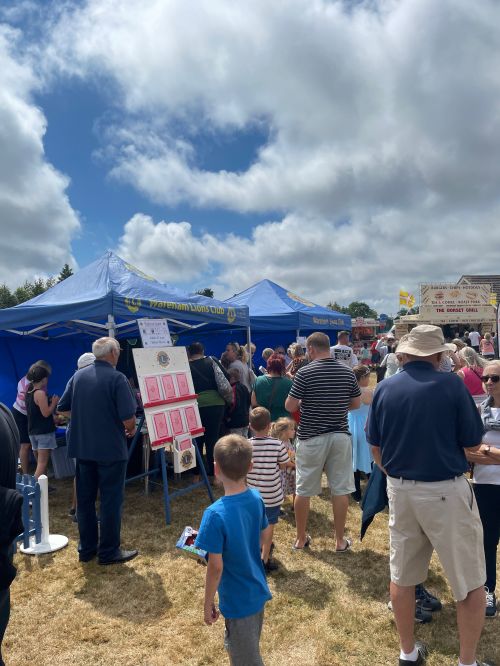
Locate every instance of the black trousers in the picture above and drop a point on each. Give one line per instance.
(211, 420)
(488, 503)
(109, 480)
(4, 617)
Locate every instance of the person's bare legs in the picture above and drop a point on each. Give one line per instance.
(42, 460)
(340, 504)
(24, 455)
(470, 620)
(301, 509)
(403, 605)
(267, 539)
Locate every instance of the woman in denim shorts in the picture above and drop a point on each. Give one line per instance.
(40, 410)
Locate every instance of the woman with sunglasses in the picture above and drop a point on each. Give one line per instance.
(487, 479)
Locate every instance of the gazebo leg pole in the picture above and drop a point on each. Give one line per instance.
(111, 326)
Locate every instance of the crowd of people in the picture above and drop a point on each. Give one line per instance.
(271, 433)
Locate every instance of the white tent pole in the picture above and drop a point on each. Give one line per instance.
(111, 326)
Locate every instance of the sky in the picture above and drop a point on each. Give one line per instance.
(342, 149)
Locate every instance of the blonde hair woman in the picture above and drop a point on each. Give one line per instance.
(486, 347)
(472, 372)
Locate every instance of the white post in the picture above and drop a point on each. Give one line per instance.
(111, 326)
(49, 542)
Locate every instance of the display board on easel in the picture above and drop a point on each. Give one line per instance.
(170, 406)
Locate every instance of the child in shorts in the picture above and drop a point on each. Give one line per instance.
(231, 532)
(269, 458)
(40, 410)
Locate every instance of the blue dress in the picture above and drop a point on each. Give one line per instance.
(361, 451)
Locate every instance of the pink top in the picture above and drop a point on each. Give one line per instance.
(472, 380)
(20, 403)
(486, 347)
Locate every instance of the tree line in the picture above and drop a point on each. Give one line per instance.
(28, 290)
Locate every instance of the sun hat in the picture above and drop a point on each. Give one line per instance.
(424, 340)
(85, 359)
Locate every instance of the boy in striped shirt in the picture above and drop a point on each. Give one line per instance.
(269, 458)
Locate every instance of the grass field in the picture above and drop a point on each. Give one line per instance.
(327, 609)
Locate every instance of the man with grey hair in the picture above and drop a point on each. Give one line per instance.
(420, 424)
(102, 409)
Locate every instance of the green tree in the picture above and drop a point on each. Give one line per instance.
(209, 293)
(360, 309)
(338, 308)
(24, 292)
(7, 298)
(66, 272)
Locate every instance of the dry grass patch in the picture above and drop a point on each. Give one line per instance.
(327, 610)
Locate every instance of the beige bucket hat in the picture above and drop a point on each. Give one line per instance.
(424, 340)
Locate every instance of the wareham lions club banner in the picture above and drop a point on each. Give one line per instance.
(216, 313)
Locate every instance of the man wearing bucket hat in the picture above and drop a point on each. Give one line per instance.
(420, 422)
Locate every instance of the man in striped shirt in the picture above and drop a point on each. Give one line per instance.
(324, 390)
(269, 457)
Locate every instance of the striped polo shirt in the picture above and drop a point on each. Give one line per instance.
(325, 388)
(265, 476)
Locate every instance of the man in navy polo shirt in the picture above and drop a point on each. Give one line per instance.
(102, 409)
(420, 422)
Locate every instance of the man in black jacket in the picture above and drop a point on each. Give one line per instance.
(10, 512)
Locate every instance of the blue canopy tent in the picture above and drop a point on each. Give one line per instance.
(105, 298)
(278, 316)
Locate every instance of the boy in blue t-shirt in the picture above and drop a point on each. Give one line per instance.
(231, 531)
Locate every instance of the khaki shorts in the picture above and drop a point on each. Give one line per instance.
(441, 516)
(331, 453)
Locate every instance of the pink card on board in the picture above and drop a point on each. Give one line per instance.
(191, 418)
(176, 421)
(152, 389)
(168, 386)
(182, 383)
(184, 444)
(161, 425)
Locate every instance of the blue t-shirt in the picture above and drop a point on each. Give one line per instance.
(99, 399)
(422, 420)
(232, 527)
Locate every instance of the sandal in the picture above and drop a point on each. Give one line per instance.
(348, 544)
(306, 544)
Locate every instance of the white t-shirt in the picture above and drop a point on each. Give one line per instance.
(344, 354)
(474, 338)
(489, 473)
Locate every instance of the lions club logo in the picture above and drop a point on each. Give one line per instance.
(186, 459)
(133, 304)
(163, 359)
(231, 315)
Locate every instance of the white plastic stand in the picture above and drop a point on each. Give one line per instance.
(49, 542)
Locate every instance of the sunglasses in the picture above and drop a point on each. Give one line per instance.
(494, 378)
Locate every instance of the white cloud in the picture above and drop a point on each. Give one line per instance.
(37, 222)
(384, 114)
(369, 259)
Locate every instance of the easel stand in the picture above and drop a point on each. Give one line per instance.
(167, 495)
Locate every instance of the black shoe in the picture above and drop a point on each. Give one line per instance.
(270, 565)
(422, 654)
(123, 556)
(72, 515)
(421, 616)
(426, 600)
(356, 496)
(491, 604)
(86, 558)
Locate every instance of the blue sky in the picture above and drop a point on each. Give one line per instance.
(328, 146)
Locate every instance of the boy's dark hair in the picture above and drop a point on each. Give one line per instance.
(233, 454)
(260, 418)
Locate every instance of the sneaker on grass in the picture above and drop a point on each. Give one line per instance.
(422, 654)
(426, 600)
(491, 603)
(421, 616)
